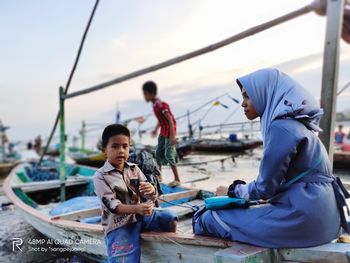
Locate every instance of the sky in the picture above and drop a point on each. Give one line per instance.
(39, 41)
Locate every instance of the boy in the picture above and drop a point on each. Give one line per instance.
(166, 148)
(339, 135)
(120, 185)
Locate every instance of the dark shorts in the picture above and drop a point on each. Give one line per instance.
(166, 152)
(123, 244)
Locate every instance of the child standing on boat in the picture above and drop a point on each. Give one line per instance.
(166, 148)
(120, 186)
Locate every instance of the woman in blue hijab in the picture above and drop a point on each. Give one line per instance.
(307, 212)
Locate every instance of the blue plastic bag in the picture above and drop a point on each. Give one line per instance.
(222, 202)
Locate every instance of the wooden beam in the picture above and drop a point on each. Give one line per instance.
(186, 208)
(330, 72)
(78, 215)
(40, 186)
(187, 239)
(178, 195)
(331, 252)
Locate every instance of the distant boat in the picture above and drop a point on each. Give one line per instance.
(6, 167)
(8, 159)
(216, 146)
(94, 159)
(341, 156)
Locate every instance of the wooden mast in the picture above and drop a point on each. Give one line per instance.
(62, 145)
(330, 73)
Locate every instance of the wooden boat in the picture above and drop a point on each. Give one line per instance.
(216, 146)
(94, 159)
(6, 167)
(71, 230)
(88, 238)
(341, 156)
(341, 160)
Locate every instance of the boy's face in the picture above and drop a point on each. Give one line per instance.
(117, 150)
(148, 96)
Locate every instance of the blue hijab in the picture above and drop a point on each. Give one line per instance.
(277, 96)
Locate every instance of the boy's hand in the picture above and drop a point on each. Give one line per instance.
(154, 133)
(144, 209)
(172, 140)
(146, 188)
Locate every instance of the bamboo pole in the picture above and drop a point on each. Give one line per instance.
(330, 73)
(70, 77)
(82, 136)
(201, 51)
(62, 145)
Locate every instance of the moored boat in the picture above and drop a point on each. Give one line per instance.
(216, 146)
(71, 228)
(6, 167)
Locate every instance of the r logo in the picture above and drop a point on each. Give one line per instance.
(17, 242)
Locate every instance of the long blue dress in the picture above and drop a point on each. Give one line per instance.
(304, 215)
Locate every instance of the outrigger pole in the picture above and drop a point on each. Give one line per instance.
(330, 73)
(244, 34)
(62, 146)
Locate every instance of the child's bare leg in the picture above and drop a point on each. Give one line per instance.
(175, 172)
(173, 226)
(160, 177)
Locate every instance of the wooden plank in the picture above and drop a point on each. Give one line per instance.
(186, 208)
(177, 196)
(38, 186)
(78, 215)
(330, 73)
(187, 239)
(241, 253)
(165, 252)
(331, 252)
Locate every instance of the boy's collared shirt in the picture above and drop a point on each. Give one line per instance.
(113, 188)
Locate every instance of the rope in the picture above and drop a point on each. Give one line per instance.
(70, 77)
(344, 88)
(202, 106)
(244, 34)
(193, 207)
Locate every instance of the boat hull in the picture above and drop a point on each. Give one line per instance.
(341, 160)
(212, 146)
(89, 238)
(5, 168)
(96, 160)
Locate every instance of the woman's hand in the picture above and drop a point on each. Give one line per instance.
(263, 201)
(144, 209)
(221, 190)
(154, 133)
(146, 188)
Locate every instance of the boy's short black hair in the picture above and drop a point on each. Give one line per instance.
(150, 87)
(114, 129)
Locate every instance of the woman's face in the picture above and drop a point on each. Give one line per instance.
(248, 106)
